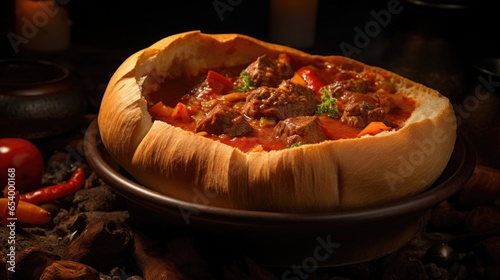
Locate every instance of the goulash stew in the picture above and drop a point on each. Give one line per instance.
(272, 104)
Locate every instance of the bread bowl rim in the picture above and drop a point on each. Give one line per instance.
(129, 69)
(457, 172)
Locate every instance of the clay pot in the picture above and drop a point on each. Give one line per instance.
(38, 99)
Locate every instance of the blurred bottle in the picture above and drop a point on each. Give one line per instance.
(293, 22)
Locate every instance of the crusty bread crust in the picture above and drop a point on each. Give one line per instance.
(332, 175)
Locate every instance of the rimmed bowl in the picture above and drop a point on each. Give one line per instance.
(283, 239)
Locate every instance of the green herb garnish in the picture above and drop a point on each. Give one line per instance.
(327, 104)
(295, 145)
(246, 84)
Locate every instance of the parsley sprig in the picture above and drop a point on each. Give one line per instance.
(295, 145)
(328, 104)
(246, 84)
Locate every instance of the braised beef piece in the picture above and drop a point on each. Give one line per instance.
(360, 105)
(224, 120)
(361, 109)
(305, 130)
(288, 100)
(267, 72)
(342, 90)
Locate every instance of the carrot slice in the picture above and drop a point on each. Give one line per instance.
(297, 79)
(181, 112)
(159, 109)
(374, 128)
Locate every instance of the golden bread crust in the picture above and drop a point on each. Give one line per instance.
(328, 176)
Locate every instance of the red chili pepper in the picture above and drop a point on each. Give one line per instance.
(54, 192)
(312, 79)
(218, 83)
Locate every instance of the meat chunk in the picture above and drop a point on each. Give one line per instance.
(267, 72)
(360, 105)
(305, 130)
(361, 109)
(224, 120)
(343, 89)
(288, 100)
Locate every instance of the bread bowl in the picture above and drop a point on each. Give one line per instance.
(329, 175)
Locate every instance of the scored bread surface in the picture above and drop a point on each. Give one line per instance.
(328, 176)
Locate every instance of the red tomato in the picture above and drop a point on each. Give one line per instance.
(21, 162)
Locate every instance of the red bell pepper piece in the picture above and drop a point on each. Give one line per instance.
(219, 83)
(313, 80)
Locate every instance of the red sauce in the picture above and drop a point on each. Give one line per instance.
(179, 90)
(334, 129)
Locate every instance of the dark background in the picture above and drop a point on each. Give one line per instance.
(132, 24)
(440, 41)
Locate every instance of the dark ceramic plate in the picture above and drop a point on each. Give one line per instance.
(284, 239)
